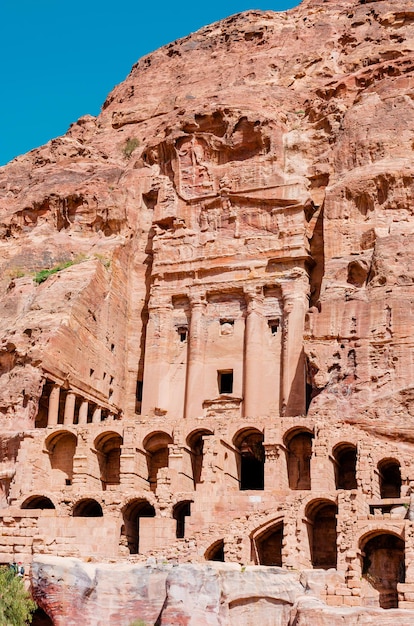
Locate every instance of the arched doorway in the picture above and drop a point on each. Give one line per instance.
(268, 546)
(321, 519)
(156, 446)
(195, 442)
(389, 478)
(383, 567)
(249, 444)
(130, 531)
(215, 552)
(61, 447)
(180, 511)
(345, 456)
(38, 502)
(108, 446)
(299, 453)
(87, 508)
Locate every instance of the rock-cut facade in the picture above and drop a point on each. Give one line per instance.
(207, 309)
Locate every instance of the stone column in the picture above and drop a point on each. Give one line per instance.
(69, 414)
(53, 411)
(275, 470)
(195, 357)
(253, 354)
(96, 417)
(155, 390)
(83, 412)
(295, 304)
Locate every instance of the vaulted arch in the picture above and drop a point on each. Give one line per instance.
(108, 446)
(132, 512)
(195, 442)
(298, 444)
(345, 456)
(383, 565)
(37, 502)
(156, 446)
(61, 447)
(389, 471)
(88, 507)
(249, 443)
(321, 521)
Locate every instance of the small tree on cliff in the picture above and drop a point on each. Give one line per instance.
(16, 605)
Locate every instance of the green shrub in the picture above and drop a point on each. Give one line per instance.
(131, 144)
(16, 605)
(43, 275)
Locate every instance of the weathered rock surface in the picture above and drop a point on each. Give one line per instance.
(193, 595)
(216, 361)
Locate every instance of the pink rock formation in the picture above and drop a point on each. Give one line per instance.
(217, 361)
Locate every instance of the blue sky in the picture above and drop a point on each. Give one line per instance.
(60, 58)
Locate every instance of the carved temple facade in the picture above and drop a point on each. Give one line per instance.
(221, 458)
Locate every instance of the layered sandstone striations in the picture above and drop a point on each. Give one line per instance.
(218, 364)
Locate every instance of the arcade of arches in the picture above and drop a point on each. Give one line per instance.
(237, 467)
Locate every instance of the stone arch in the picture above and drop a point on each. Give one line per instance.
(156, 446)
(383, 565)
(345, 457)
(251, 458)
(298, 442)
(215, 552)
(37, 502)
(389, 472)
(87, 507)
(132, 512)
(61, 447)
(267, 544)
(321, 524)
(181, 510)
(195, 442)
(108, 446)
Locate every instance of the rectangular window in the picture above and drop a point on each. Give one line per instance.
(226, 327)
(182, 333)
(225, 381)
(274, 326)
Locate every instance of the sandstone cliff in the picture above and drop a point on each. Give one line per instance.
(207, 306)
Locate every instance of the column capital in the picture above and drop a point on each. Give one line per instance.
(253, 296)
(197, 297)
(272, 451)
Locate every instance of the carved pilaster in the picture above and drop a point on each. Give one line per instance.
(195, 358)
(253, 356)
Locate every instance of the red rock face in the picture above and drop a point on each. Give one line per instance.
(206, 311)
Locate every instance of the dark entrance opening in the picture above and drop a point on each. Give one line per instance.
(390, 478)
(384, 567)
(38, 502)
(196, 444)
(216, 552)
(157, 450)
(252, 459)
(225, 381)
(322, 534)
(180, 512)
(299, 453)
(87, 508)
(269, 546)
(130, 529)
(345, 469)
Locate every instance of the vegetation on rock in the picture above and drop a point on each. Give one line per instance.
(16, 605)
